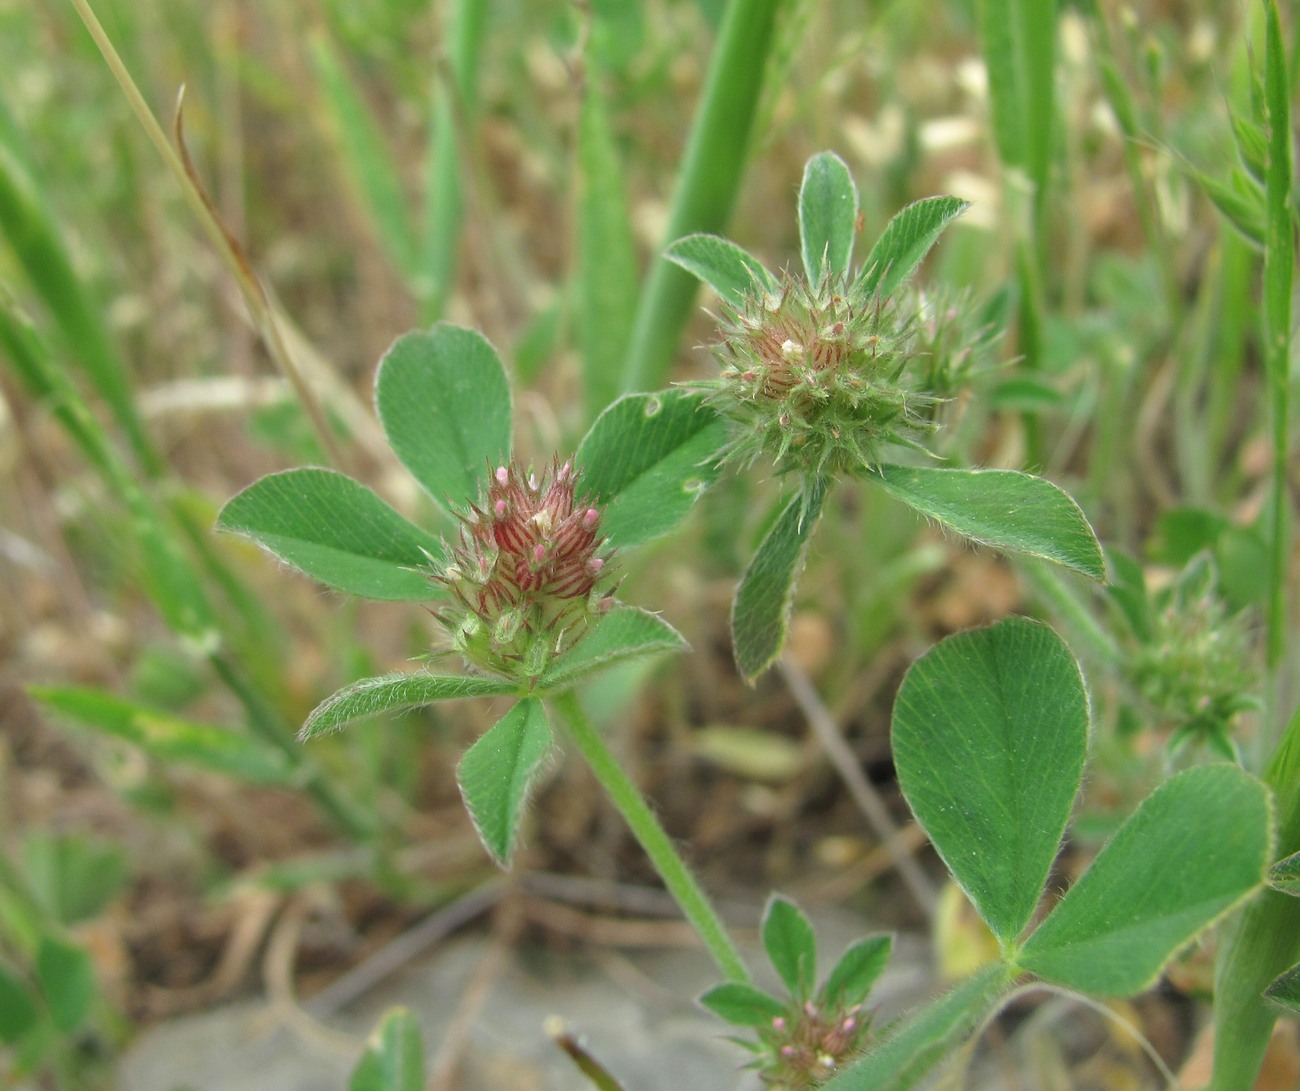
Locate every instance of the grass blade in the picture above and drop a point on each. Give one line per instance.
(607, 271)
(31, 228)
(707, 183)
(366, 158)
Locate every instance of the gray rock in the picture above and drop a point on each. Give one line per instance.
(635, 1012)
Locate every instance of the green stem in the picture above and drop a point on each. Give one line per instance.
(1261, 943)
(650, 833)
(1279, 270)
(711, 170)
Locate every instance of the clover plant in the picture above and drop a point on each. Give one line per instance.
(823, 379)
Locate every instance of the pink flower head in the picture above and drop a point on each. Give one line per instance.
(524, 574)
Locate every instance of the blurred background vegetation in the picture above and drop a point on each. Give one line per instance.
(511, 166)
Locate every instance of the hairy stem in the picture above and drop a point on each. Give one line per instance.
(650, 833)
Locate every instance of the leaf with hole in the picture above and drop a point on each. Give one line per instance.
(646, 460)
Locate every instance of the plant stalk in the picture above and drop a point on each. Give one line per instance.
(1279, 272)
(650, 833)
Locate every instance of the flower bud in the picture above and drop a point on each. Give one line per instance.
(528, 576)
(814, 378)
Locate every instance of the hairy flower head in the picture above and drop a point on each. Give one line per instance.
(529, 574)
(806, 1047)
(814, 377)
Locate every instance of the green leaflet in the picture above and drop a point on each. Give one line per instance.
(1005, 509)
(760, 614)
(444, 402)
(389, 692)
(646, 460)
(990, 733)
(394, 1056)
(496, 773)
(828, 214)
(1196, 847)
(337, 531)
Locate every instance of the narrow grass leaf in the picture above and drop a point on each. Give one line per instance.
(918, 1044)
(1252, 145)
(855, 972)
(707, 182)
(791, 946)
(625, 633)
(732, 272)
(67, 979)
(444, 402)
(455, 106)
(903, 244)
(32, 231)
(1195, 848)
(30, 356)
(607, 265)
(743, 1005)
(337, 531)
(828, 215)
(444, 205)
(392, 692)
(1019, 40)
(168, 738)
(394, 1056)
(1243, 206)
(760, 614)
(990, 732)
(647, 459)
(496, 773)
(1005, 509)
(1279, 276)
(366, 157)
(1285, 990)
